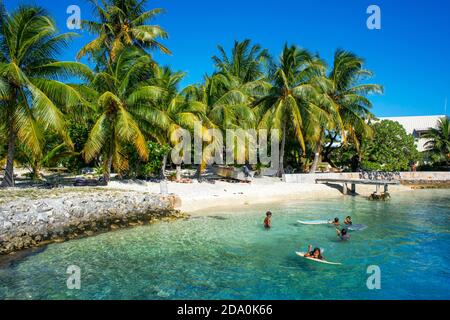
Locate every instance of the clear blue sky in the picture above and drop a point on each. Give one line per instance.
(410, 55)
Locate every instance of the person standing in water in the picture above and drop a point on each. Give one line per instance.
(343, 234)
(267, 220)
(348, 221)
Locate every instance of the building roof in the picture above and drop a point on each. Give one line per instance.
(416, 123)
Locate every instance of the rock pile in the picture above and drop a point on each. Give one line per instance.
(26, 223)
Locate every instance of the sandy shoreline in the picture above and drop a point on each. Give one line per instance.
(196, 197)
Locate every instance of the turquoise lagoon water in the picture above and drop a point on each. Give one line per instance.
(229, 255)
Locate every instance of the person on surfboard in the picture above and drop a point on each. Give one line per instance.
(316, 254)
(267, 220)
(348, 221)
(343, 234)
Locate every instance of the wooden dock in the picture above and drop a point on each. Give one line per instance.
(354, 182)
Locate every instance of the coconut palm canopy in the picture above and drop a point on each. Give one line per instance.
(119, 94)
(32, 86)
(130, 100)
(439, 144)
(122, 23)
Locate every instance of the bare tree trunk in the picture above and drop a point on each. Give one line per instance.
(317, 150)
(178, 176)
(283, 143)
(163, 166)
(8, 179)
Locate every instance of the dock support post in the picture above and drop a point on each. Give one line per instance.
(385, 188)
(377, 189)
(353, 188)
(344, 188)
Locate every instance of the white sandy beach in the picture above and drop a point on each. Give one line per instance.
(196, 197)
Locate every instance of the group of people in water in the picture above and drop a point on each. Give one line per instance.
(342, 233)
(316, 253)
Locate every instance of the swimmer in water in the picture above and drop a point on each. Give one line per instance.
(267, 220)
(335, 222)
(343, 234)
(348, 221)
(316, 254)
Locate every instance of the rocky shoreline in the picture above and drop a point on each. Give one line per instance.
(427, 184)
(27, 221)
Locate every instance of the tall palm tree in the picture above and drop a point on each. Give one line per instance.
(169, 112)
(292, 98)
(121, 96)
(246, 62)
(344, 91)
(439, 143)
(122, 23)
(31, 91)
(225, 103)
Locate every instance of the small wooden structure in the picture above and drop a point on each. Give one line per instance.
(354, 182)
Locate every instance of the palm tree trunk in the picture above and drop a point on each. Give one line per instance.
(107, 170)
(317, 150)
(198, 173)
(35, 171)
(178, 176)
(200, 168)
(328, 148)
(163, 166)
(8, 179)
(110, 152)
(283, 143)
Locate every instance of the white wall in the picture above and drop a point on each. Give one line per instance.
(311, 177)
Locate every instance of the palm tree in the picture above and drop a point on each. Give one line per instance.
(31, 91)
(122, 23)
(292, 98)
(51, 157)
(122, 97)
(246, 62)
(224, 102)
(343, 89)
(169, 112)
(439, 143)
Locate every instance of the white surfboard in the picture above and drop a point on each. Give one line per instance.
(302, 254)
(313, 222)
(357, 227)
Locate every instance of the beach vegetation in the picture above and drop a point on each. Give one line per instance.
(32, 87)
(121, 114)
(391, 148)
(438, 146)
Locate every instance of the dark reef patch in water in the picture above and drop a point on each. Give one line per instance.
(13, 259)
(218, 217)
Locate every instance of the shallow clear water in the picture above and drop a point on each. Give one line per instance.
(231, 256)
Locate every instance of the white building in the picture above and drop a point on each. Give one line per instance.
(417, 126)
